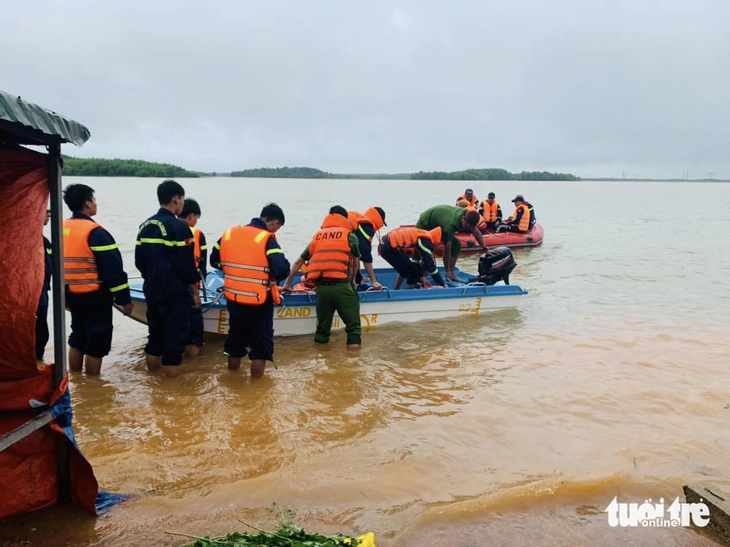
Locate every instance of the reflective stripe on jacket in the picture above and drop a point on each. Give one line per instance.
(81, 274)
(330, 251)
(245, 263)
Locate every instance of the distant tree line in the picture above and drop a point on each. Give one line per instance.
(284, 173)
(468, 174)
(491, 174)
(97, 167)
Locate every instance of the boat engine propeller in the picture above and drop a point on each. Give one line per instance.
(496, 267)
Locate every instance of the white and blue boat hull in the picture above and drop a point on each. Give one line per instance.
(297, 314)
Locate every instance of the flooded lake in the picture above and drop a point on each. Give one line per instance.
(517, 427)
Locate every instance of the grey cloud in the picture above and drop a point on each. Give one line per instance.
(589, 87)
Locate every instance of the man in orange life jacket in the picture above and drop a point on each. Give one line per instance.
(41, 317)
(520, 219)
(164, 257)
(365, 225)
(469, 197)
(491, 212)
(191, 214)
(333, 256)
(410, 252)
(253, 264)
(94, 277)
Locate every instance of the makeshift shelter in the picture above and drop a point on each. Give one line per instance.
(40, 462)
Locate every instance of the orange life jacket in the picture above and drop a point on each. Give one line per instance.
(246, 266)
(405, 240)
(197, 251)
(490, 210)
(81, 274)
(330, 251)
(524, 225)
(472, 202)
(370, 216)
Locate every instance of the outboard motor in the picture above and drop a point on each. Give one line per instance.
(496, 267)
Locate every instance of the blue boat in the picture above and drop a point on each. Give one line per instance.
(297, 314)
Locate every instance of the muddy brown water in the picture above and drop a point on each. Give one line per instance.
(517, 427)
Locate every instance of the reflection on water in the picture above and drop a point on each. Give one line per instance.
(518, 426)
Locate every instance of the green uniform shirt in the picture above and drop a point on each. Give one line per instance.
(446, 216)
(351, 239)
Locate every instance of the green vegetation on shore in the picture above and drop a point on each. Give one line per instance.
(491, 174)
(284, 173)
(98, 167)
(468, 174)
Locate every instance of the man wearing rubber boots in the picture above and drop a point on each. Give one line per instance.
(253, 264)
(333, 256)
(452, 220)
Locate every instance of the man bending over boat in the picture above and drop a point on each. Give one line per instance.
(334, 260)
(253, 263)
(410, 252)
(451, 220)
(365, 226)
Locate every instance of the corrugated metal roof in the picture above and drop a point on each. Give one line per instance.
(28, 123)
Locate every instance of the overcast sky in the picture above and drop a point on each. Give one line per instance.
(594, 87)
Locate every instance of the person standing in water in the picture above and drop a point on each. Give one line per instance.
(253, 263)
(164, 257)
(191, 214)
(334, 260)
(95, 278)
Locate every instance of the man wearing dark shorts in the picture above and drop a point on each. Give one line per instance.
(253, 263)
(94, 277)
(164, 257)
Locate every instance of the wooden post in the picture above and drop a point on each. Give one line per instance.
(59, 305)
(719, 504)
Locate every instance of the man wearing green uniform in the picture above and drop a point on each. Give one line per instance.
(333, 261)
(452, 220)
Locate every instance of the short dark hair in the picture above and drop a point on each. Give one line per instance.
(76, 196)
(338, 210)
(272, 212)
(168, 190)
(471, 218)
(191, 207)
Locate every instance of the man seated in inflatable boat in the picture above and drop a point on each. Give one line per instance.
(523, 218)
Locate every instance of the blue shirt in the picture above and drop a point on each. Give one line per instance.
(164, 256)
